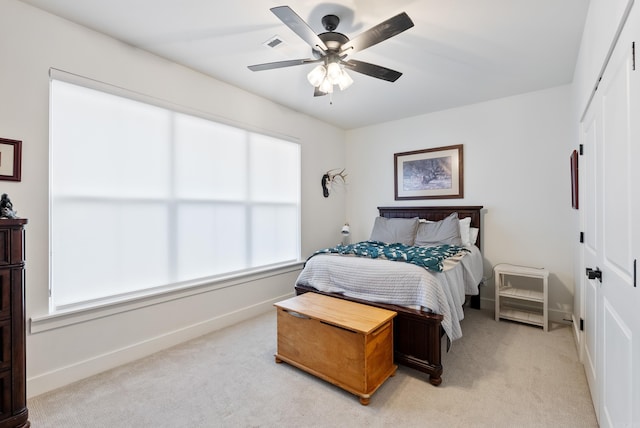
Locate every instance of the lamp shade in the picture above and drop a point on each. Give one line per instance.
(345, 229)
(334, 72)
(345, 81)
(317, 75)
(326, 86)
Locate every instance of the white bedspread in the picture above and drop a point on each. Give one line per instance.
(400, 283)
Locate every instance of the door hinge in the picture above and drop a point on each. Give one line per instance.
(582, 237)
(581, 149)
(581, 324)
(635, 272)
(633, 56)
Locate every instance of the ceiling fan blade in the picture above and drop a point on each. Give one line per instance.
(374, 35)
(299, 26)
(372, 70)
(318, 93)
(281, 64)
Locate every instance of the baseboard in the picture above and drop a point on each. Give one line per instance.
(66, 375)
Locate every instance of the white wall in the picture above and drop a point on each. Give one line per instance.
(516, 164)
(31, 42)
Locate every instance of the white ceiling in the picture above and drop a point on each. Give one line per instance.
(459, 51)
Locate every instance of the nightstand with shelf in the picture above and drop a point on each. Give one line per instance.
(526, 305)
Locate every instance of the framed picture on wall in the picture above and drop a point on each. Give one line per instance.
(429, 174)
(10, 159)
(574, 179)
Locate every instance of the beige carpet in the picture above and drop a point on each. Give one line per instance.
(498, 375)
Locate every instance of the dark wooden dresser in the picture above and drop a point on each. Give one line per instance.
(13, 376)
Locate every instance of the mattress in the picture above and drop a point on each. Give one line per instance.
(399, 283)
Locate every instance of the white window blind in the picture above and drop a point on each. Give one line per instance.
(144, 197)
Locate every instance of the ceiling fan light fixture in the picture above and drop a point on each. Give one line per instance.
(317, 75)
(345, 80)
(326, 86)
(332, 48)
(334, 72)
(325, 77)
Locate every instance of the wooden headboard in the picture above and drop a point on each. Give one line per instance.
(436, 213)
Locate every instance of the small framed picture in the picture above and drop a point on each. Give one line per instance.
(574, 179)
(429, 174)
(10, 159)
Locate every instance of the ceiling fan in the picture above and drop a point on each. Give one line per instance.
(333, 50)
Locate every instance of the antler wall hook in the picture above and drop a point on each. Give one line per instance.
(330, 177)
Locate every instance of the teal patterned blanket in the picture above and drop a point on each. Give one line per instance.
(430, 258)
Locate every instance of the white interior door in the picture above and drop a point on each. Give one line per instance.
(632, 297)
(612, 324)
(590, 207)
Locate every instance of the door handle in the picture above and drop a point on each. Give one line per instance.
(594, 273)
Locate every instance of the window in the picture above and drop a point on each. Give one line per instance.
(144, 197)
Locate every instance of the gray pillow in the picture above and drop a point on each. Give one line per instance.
(394, 230)
(445, 231)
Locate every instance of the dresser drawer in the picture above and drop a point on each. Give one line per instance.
(11, 248)
(5, 344)
(5, 293)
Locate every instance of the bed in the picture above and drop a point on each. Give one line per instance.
(418, 333)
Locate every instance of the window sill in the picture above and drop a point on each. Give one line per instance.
(63, 318)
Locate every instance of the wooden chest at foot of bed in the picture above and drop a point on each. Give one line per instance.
(416, 335)
(345, 343)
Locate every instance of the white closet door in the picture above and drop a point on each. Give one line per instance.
(591, 208)
(611, 138)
